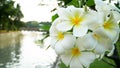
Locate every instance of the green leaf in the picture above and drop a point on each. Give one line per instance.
(62, 65)
(102, 64)
(54, 17)
(90, 3)
(75, 3)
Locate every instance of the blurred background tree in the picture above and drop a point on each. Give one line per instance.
(10, 15)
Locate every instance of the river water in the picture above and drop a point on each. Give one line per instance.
(20, 50)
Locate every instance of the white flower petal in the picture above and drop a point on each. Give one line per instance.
(75, 63)
(77, 12)
(111, 52)
(104, 43)
(99, 3)
(117, 37)
(59, 48)
(116, 16)
(101, 56)
(96, 22)
(68, 41)
(86, 58)
(80, 30)
(89, 42)
(99, 49)
(80, 43)
(64, 13)
(101, 33)
(64, 26)
(71, 7)
(102, 6)
(53, 31)
(53, 41)
(108, 44)
(56, 21)
(66, 58)
(113, 35)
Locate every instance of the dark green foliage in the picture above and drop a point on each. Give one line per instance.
(117, 5)
(75, 3)
(10, 15)
(90, 3)
(45, 26)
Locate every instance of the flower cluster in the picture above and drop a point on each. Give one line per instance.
(80, 35)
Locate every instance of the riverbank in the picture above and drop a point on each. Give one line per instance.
(5, 31)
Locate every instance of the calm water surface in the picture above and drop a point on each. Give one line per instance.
(19, 50)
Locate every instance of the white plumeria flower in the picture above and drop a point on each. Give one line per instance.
(107, 24)
(105, 7)
(77, 57)
(75, 18)
(59, 39)
(111, 28)
(99, 42)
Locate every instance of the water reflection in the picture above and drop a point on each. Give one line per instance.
(9, 49)
(19, 50)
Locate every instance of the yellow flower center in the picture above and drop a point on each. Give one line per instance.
(96, 36)
(76, 20)
(75, 52)
(60, 36)
(107, 25)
